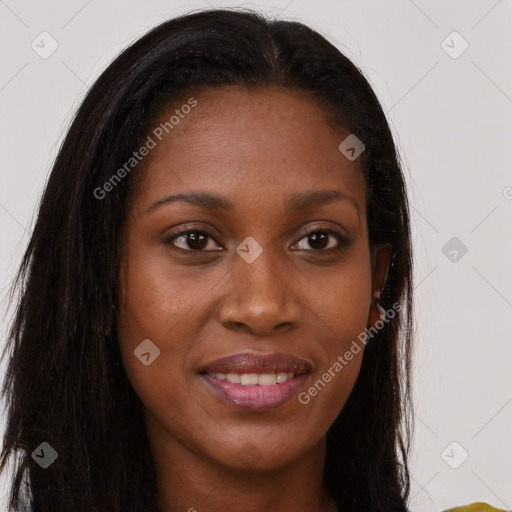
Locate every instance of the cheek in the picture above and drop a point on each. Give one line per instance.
(157, 295)
(341, 304)
(342, 301)
(156, 306)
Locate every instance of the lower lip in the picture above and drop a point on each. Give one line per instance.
(255, 398)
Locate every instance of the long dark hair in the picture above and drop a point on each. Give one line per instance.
(65, 384)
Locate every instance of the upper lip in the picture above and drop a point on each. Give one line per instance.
(258, 363)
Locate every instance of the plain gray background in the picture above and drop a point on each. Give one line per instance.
(450, 112)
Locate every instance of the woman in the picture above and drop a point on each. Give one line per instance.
(213, 292)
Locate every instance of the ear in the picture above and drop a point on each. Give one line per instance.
(380, 258)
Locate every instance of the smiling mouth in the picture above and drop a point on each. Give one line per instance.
(256, 382)
(254, 379)
(255, 391)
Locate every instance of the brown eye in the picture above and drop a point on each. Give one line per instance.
(192, 241)
(324, 240)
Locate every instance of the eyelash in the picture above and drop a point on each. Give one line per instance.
(343, 242)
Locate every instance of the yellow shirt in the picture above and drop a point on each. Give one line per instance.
(476, 507)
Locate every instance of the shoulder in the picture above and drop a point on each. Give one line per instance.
(476, 507)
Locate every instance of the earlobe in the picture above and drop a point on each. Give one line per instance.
(377, 312)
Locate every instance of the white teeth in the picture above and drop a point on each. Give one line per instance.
(281, 377)
(253, 379)
(233, 378)
(267, 379)
(249, 379)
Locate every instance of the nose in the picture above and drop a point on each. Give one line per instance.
(261, 300)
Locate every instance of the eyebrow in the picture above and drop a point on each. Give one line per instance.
(299, 201)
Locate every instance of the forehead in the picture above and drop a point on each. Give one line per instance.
(264, 142)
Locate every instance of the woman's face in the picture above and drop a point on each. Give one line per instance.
(251, 282)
